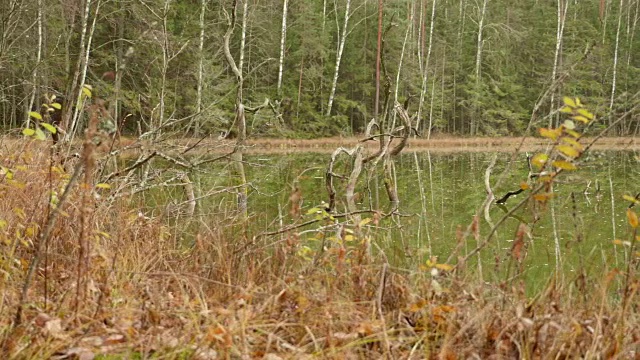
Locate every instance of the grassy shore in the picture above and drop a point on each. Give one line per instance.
(111, 283)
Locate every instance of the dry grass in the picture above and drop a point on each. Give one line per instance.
(231, 297)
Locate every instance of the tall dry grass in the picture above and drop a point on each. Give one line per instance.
(230, 296)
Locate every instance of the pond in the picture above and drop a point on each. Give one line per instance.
(440, 194)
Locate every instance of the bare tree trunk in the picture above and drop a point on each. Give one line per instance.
(404, 44)
(299, 88)
(324, 23)
(120, 66)
(70, 116)
(379, 45)
(283, 36)
(563, 6)
(425, 72)
(198, 118)
(341, 40)
(604, 12)
(474, 119)
(615, 63)
(239, 121)
(34, 78)
(164, 70)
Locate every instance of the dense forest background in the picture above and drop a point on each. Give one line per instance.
(323, 67)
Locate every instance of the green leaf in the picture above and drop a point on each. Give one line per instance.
(28, 132)
(40, 134)
(52, 129)
(56, 106)
(36, 115)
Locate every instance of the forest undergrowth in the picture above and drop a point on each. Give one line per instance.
(130, 292)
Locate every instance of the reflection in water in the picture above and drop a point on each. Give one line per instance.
(440, 194)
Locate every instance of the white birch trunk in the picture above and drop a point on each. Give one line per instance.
(425, 72)
(615, 60)
(474, 120)
(562, 16)
(283, 36)
(85, 63)
(632, 32)
(404, 45)
(203, 9)
(34, 79)
(342, 40)
(243, 41)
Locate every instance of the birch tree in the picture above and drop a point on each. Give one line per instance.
(82, 66)
(378, 49)
(203, 9)
(563, 6)
(34, 79)
(615, 60)
(474, 119)
(342, 38)
(283, 36)
(425, 69)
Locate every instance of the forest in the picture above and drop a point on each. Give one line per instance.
(319, 179)
(323, 67)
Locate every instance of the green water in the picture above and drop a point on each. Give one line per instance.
(440, 192)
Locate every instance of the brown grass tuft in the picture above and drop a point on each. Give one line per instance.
(230, 297)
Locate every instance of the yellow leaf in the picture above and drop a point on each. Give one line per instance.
(86, 92)
(586, 113)
(580, 118)
(569, 102)
(578, 102)
(545, 178)
(617, 242)
(56, 106)
(568, 151)
(445, 267)
(573, 142)
(566, 110)
(524, 186)
(348, 238)
(633, 218)
(631, 199)
(550, 133)
(562, 164)
(573, 133)
(568, 124)
(364, 222)
(52, 129)
(103, 186)
(35, 115)
(539, 160)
